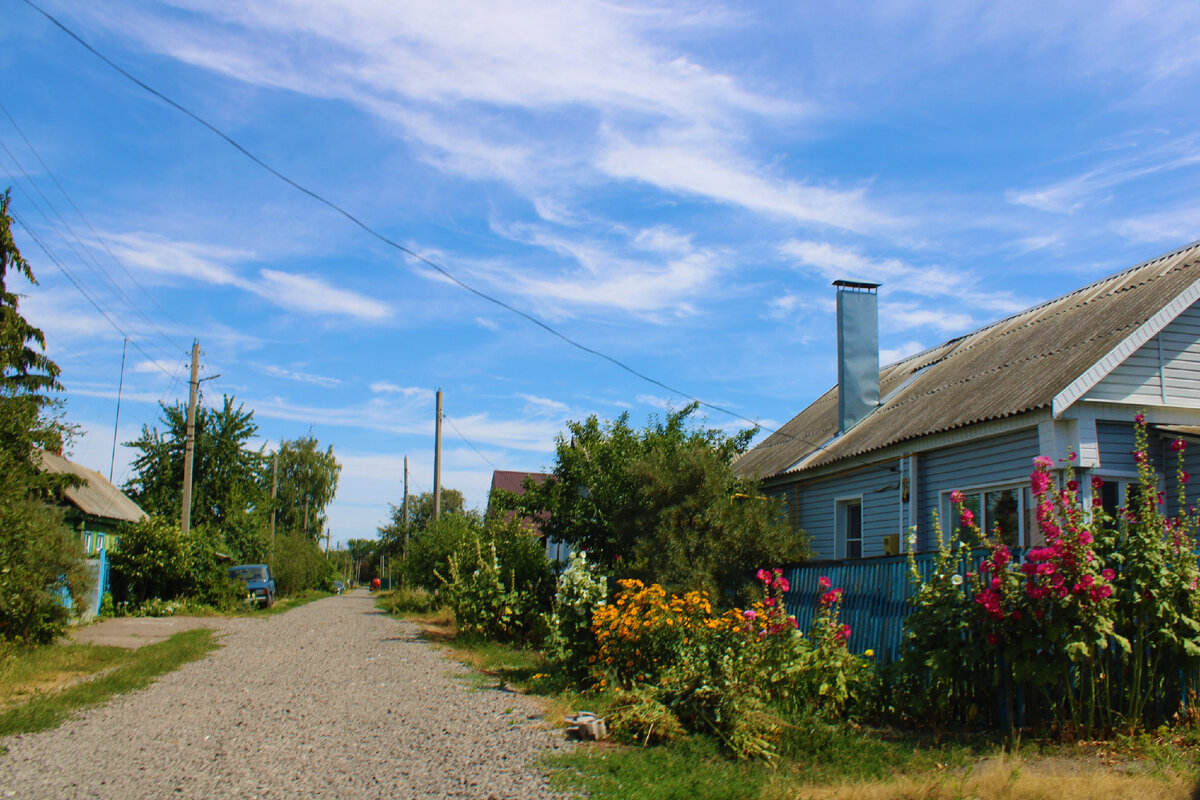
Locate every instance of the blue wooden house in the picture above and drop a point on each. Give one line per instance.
(94, 509)
(880, 453)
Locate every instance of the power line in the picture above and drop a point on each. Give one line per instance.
(57, 262)
(95, 233)
(401, 248)
(468, 442)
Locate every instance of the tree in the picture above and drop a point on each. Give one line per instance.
(662, 504)
(39, 557)
(420, 513)
(307, 482)
(227, 497)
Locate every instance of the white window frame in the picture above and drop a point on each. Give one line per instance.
(949, 518)
(840, 543)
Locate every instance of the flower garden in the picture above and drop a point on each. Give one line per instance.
(1091, 634)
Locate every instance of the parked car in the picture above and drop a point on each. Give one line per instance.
(259, 583)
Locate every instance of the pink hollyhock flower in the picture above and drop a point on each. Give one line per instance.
(1140, 419)
(1039, 613)
(1108, 574)
(996, 582)
(843, 635)
(1161, 497)
(1043, 462)
(763, 575)
(1178, 446)
(1097, 502)
(967, 518)
(795, 624)
(991, 639)
(957, 497)
(1085, 537)
(1087, 581)
(784, 585)
(1183, 476)
(769, 602)
(750, 613)
(1140, 456)
(1039, 481)
(1097, 482)
(1071, 456)
(1072, 486)
(824, 582)
(778, 572)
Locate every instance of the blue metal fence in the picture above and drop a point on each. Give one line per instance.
(875, 596)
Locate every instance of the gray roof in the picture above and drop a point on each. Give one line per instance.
(97, 497)
(1009, 367)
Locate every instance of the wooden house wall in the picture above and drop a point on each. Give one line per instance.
(1164, 371)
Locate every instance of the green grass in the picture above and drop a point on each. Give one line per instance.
(118, 671)
(691, 769)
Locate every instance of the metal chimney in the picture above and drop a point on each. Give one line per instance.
(858, 351)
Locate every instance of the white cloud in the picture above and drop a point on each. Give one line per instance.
(157, 367)
(302, 377)
(906, 316)
(893, 354)
(545, 403)
(655, 401)
(693, 168)
(307, 293)
(409, 392)
(1175, 226)
(835, 263)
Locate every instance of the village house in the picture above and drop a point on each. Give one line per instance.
(878, 455)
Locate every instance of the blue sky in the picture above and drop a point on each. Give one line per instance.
(674, 184)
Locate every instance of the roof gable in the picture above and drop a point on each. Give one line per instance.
(97, 497)
(1012, 366)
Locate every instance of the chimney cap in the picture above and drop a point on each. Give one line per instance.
(857, 285)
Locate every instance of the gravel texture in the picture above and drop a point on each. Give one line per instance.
(332, 699)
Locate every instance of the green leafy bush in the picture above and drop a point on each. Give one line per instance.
(579, 590)
(298, 563)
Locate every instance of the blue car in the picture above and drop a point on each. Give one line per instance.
(260, 585)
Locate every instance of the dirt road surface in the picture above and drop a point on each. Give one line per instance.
(333, 699)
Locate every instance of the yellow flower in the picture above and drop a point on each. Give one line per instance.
(869, 653)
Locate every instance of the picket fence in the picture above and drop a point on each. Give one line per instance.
(875, 596)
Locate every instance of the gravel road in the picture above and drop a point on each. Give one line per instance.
(332, 699)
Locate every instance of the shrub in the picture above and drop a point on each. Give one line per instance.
(483, 606)
(730, 674)
(1098, 628)
(580, 590)
(154, 561)
(298, 563)
(410, 601)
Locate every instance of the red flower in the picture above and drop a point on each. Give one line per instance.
(991, 639)
(957, 497)
(1140, 419)
(968, 518)
(1179, 445)
(824, 582)
(1039, 481)
(1097, 483)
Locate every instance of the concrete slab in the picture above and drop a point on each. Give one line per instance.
(135, 632)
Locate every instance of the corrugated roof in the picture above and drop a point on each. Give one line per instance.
(511, 481)
(1009, 367)
(97, 497)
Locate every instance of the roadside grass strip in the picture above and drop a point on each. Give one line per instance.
(284, 604)
(42, 687)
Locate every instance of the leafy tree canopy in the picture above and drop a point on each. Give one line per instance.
(420, 512)
(227, 496)
(662, 504)
(307, 482)
(38, 553)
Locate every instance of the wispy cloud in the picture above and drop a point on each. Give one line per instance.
(544, 404)
(211, 264)
(301, 377)
(409, 392)
(1174, 226)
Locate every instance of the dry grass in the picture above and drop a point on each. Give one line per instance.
(1000, 779)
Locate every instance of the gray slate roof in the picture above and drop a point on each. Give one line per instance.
(1009, 367)
(97, 497)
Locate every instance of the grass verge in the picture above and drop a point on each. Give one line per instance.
(44, 686)
(285, 604)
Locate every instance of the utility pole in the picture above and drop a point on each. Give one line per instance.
(406, 506)
(306, 519)
(437, 460)
(189, 442)
(274, 490)
(117, 421)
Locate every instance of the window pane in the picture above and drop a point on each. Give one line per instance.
(1108, 497)
(854, 530)
(1003, 512)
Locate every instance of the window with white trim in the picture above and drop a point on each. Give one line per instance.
(1002, 510)
(849, 524)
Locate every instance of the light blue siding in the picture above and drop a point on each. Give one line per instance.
(999, 460)
(879, 488)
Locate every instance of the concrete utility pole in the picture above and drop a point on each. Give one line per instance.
(274, 491)
(437, 460)
(189, 442)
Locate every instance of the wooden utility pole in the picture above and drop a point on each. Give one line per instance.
(274, 491)
(406, 506)
(306, 520)
(189, 442)
(437, 460)
(116, 422)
